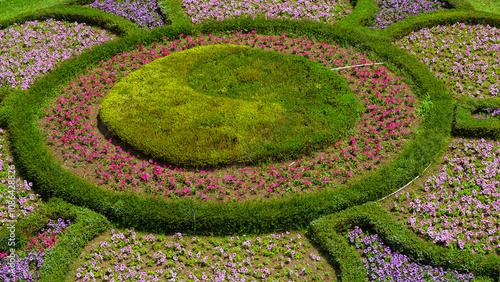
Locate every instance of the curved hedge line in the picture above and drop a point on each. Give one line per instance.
(373, 216)
(159, 215)
(85, 226)
(466, 126)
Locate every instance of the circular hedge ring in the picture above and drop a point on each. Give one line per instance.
(264, 107)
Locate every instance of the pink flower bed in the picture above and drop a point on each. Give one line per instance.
(389, 114)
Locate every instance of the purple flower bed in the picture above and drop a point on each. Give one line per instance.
(383, 264)
(141, 12)
(129, 256)
(466, 58)
(32, 49)
(29, 261)
(26, 201)
(392, 11)
(459, 205)
(493, 113)
(320, 11)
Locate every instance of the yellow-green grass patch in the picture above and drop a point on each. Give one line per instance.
(224, 104)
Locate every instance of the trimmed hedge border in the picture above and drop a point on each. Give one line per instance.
(327, 232)
(159, 215)
(85, 226)
(467, 126)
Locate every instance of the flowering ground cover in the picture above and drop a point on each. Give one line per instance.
(30, 50)
(29, 261)
(25, 199)
(221, 104)
(127, 255)
(458, 205)
(384, 264)
(326, 12)
(142, 12)
(392, 11)
(466, 58)
(72, 131)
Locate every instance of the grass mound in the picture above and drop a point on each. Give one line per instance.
(223, 104)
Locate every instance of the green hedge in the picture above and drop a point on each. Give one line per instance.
(465, 125)
(80, 14)
(85, 226)
(150, 214)
(330, 232)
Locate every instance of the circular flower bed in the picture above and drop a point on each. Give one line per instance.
(383, 264)
(71, 130)
(32, 49)
(459, 205)
(233, 258)
(466, 58)
(28, 262)
(193, 108)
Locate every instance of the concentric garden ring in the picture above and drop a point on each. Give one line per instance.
(157, 214)
(164, 111)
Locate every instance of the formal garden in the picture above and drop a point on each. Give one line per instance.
(164, 140)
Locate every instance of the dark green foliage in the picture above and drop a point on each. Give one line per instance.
(465, 125)
(331, 231)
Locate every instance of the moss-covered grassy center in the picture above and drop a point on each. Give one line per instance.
(222, 104)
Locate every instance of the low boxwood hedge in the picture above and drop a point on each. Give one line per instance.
(465, 125)
(330, 233)
(85, 226)
(161, 215)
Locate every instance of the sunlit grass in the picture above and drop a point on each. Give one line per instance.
(489, 6)
(13, 8)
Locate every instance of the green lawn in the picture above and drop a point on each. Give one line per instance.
(490, 6)
(12, 8)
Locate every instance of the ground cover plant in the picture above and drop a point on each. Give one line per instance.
(489, 6)
(220, 104)
(466, 58)
(29, 260)
(388, 117)
(143, 12)
(26, 200)
(458, 205)
(326, 12)
(392, 11)
(384, 264)
(124, 255)
(31, 49)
